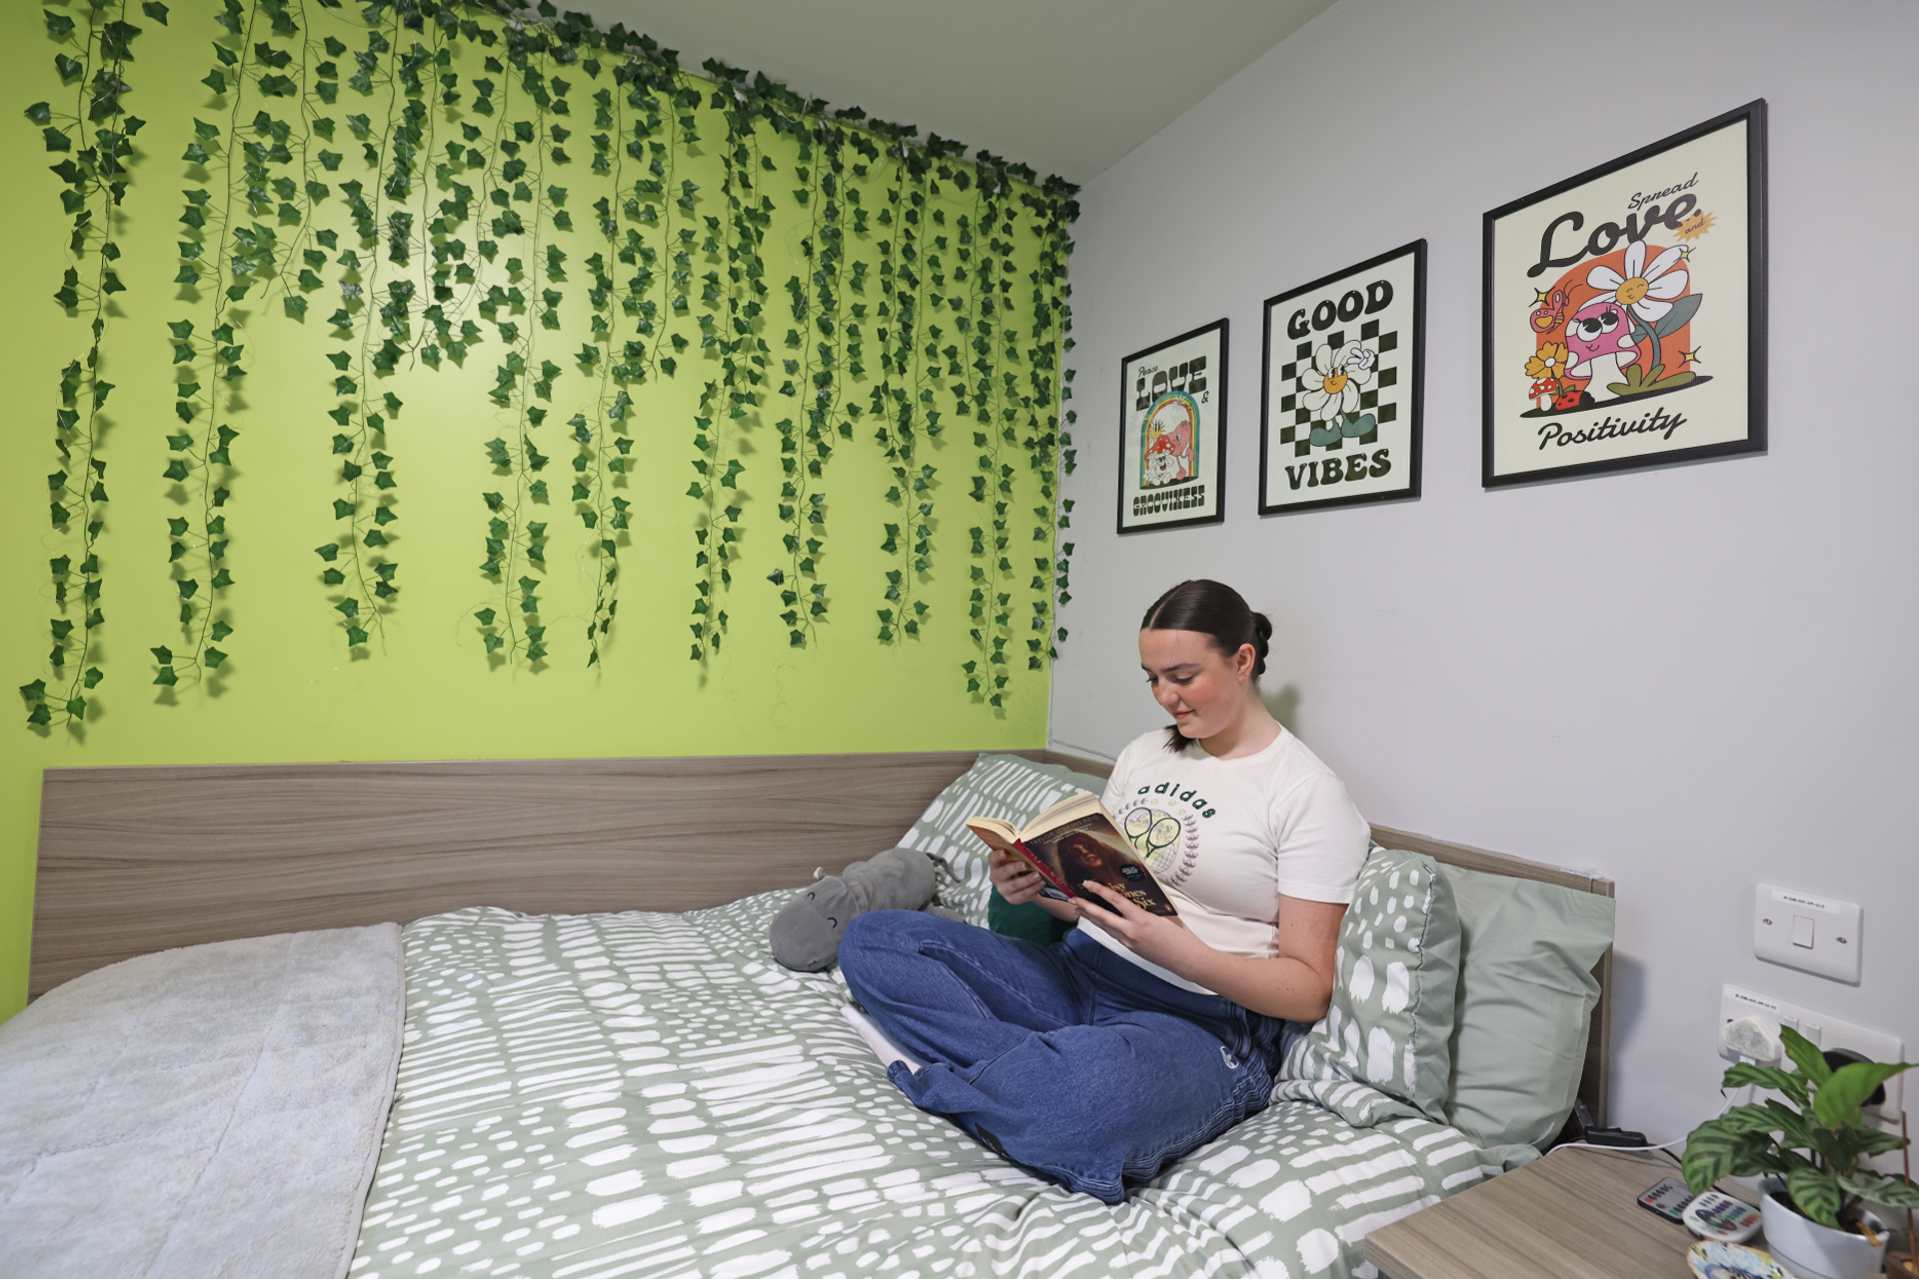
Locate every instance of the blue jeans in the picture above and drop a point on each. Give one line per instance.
(1068, 1060)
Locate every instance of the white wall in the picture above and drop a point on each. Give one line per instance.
(1690, 678)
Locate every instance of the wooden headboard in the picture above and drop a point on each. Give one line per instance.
(134, 860)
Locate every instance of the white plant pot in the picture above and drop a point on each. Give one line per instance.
(1812, 1251)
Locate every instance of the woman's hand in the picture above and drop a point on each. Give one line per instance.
(1016, 881)
(1163, 939)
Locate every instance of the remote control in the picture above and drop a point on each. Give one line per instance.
(1722, 1218)
(1668, 1198)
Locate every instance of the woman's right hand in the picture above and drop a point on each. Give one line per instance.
(1016, 881)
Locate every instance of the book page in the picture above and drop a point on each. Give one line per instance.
(999, 837)
(1073, 806)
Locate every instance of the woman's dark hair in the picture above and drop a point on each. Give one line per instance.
(1217, 611)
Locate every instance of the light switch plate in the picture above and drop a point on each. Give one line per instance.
(1813, 934)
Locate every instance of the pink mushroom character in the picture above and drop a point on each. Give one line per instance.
(1599, 340)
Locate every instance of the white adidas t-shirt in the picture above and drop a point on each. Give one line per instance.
(1229, 837)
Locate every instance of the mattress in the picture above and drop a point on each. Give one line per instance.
(649, 1094)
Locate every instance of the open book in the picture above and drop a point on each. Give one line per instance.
(1074, 841)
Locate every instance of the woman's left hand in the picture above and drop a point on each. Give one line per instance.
(1163, 939)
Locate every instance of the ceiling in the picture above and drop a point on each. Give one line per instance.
(1067, 86)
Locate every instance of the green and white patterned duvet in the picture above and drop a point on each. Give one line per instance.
(642, 1094)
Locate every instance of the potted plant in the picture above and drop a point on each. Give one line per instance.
(1813, 1148)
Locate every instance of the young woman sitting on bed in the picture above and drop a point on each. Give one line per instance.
(1100, 1060)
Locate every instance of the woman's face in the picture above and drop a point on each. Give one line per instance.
(1201, 688)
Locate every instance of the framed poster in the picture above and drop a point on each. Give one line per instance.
(1624, 311)
(1172, 432)
(1339, 402)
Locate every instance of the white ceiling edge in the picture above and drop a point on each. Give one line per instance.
(1066, 86)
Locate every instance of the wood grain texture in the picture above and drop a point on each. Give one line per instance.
(1570, 1215)
(134, 860)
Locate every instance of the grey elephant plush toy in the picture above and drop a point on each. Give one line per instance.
(806, 933)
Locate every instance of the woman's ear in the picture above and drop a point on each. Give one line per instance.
(1243, 662)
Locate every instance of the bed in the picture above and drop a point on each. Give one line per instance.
(603, 1072)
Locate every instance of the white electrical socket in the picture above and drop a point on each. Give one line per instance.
(1825, 1032)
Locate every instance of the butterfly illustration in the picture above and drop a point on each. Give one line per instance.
(1551, 311)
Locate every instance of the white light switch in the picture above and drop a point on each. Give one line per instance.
(1814, 934)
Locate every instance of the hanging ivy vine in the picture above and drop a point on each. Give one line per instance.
(628, 219)
(460, 111)
(360, 569)
(222, 258)
(1053, 318)
(530, 202)
(94, 179)
(734, 300)
(988, 600)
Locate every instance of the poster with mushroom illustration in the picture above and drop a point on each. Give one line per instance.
(1172, 432)
(1624, 311)
(1339, 408)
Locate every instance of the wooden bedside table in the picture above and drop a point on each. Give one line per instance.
(1573, 1214)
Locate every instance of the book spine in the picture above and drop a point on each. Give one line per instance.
(1045, 873)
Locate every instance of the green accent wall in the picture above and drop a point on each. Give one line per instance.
(293, 689)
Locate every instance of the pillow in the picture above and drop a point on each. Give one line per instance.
(1396, 972)
(997, 785)
(1027, 921)
(1526, 995)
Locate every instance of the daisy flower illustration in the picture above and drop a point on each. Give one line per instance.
(1330, 389)
(1644, 290)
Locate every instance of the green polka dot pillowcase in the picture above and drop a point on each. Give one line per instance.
(1391, 1017)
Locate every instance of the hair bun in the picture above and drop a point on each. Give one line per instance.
(1262, 632)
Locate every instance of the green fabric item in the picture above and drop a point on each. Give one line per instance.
(1526, 995)
(1027, 921)
(1390, 1022)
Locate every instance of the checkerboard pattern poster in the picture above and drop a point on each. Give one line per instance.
(1172, 432)
(1340, 407)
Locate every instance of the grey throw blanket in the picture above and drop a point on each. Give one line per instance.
(210, 1111)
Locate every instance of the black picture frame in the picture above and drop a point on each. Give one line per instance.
(1753, 117)
(1217, 387)
(1415, 384)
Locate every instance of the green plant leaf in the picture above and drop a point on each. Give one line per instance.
(1838, 1100)
(1890, 1191)
(1811, 1063)
(1710, 1153)
(1816, 1194)
(1743, 1073)
(1752, 1118)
